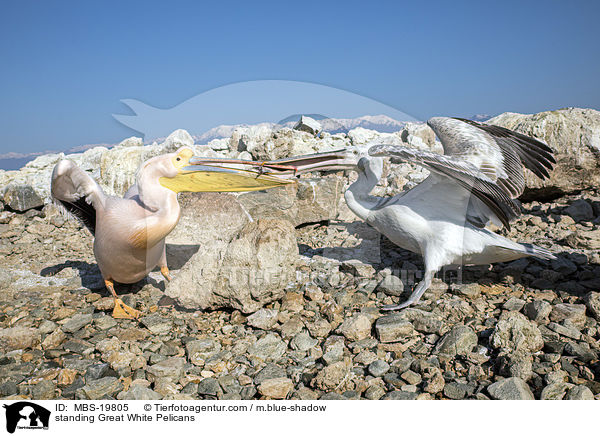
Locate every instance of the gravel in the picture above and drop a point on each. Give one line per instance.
(518, 330)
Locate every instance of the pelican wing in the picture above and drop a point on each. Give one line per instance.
(77, 192)
(207, 178)
(464, 173)
(497, 152)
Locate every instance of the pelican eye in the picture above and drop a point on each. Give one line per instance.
(178, 159)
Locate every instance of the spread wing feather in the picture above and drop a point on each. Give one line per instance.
(77, 192)
(484, 159)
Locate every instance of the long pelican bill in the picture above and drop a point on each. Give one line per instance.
(292, 166)
(206, 178)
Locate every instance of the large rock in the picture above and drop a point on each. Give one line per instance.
(18, 338)
(573, 134)
(309, 125)
(512, 388)
(21, 198)
(308, 201)
(206, 218)
(245, 274)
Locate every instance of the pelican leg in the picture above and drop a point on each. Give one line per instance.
(416, 295)
(164, 270)
(121, 310)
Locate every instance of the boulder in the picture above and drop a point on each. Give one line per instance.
(309, 125)
(308, 201)
(206, 218)
(246, 273)
(21, 198)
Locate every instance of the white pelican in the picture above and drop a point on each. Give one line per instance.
(472, 185)
(129, 232)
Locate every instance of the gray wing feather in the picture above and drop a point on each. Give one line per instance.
(464, 173)
(498, 152)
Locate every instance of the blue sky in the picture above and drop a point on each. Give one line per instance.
(66, 65)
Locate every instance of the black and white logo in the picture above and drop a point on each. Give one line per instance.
(26, 415)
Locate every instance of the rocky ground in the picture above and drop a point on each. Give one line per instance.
(520, 330)
(525, 329)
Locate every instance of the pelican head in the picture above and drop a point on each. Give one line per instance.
(370, 167)
(178, 175)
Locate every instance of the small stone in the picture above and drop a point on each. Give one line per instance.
(44, 390)
(555, 391)
(582, 351)
(358, 268)
(319, 328)
(105, 322)
(292, 327)
(434, 381)
(378, 368)
(455, 391)
(332, 376)
(514, 304)
(573, 312)
(374, 393)
(512, 388)
(104, 304)
(277, 388)
(515, 332)
(592, 302)
(579, 393)
(579, 210)
(391, 285)
(270, 347)
(200, 350)
(54, 339)
(303, 342)
(157, 324)
(538, 310)
(8, 388)
(411, 377)
(210, 386)
(264, 319)
(77, 322)
(520, 365)
(568, 330)
(400, 395)
(469, 290)
(171, 368)
(94, 372)
(139, 392)
(97, 389)
(356, 327)
(457, 342)
(333, 349)
(47, 326)
(292, 301)
(393, 328)
(269, 371)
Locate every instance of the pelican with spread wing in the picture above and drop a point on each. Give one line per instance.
(473, 184)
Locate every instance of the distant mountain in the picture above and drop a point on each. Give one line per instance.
(480, 117)
(381, 123)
